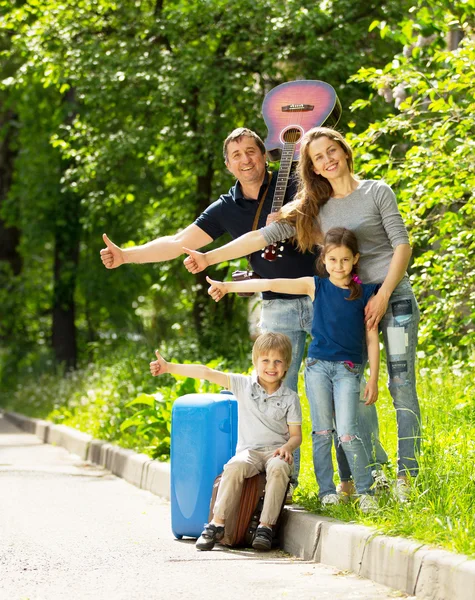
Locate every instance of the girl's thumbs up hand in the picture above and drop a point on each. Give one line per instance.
(217, 289)
(111, 256)
(196, 261)
(159, 366)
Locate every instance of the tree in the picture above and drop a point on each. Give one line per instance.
(123, 111)
(430, 162)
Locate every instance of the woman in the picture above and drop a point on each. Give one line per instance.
(331, 196)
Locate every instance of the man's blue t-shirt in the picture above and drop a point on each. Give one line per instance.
(234, 214)
(338, 328)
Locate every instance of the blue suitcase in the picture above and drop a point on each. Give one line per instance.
(203, 439)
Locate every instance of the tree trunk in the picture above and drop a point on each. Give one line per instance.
(9, 236)
(66, 259)
(203, 192)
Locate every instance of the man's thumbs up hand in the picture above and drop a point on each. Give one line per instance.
(111, 256)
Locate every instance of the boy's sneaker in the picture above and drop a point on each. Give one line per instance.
(367, 503)
(263, 539)
(330, 499)
(209, 536)
(381, 483)
(289, 494)
(402, 491)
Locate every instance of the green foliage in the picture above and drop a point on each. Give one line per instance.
(425, 151)
(115, 399)
(121, 112)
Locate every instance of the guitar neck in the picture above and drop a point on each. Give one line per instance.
(283, 176)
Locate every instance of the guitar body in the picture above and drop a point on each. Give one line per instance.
(292, 108)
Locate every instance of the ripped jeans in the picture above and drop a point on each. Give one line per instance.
(333, 391)
(399, 327)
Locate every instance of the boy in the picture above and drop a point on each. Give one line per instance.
(269, 430)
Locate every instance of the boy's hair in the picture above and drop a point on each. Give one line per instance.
(237, 135)
(277, 342)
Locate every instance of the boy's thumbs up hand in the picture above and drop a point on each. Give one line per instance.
(159, 366)
(217, 289)
(196, 261)
(111, 256)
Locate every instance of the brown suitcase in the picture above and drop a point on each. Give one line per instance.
(241, 526)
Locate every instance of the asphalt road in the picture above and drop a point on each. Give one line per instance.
(69, 530)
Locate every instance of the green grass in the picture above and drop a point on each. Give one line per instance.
(442, 506)
(99, 399)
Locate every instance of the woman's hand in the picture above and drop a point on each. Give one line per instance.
(196, 261)
(217, 289)
(271, 217)
(376, 309)
(159, 366)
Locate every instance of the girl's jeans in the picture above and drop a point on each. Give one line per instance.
(399, 327)
(333, 391)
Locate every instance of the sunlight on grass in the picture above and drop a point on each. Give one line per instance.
(442, 506)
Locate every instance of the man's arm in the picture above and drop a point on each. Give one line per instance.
(371, 389)
(159, 250)
(161, 366)
(301, 285)
(294, 441)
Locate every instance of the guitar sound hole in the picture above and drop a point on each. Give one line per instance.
(292, 135)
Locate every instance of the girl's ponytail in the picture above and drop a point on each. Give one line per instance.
(355, 284)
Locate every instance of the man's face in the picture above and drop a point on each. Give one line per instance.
(245, 161)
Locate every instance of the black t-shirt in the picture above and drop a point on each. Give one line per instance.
(234, 214)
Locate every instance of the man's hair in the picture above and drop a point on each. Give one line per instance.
(237, 135)
(277, 342)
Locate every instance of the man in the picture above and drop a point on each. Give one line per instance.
(234, 213)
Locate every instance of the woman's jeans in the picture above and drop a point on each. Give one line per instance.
(293, 317)
(399, 327)
(333, 391)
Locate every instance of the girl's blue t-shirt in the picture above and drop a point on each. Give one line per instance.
(338, 328)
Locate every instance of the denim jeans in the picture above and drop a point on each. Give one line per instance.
(294, 318)
(333, 391)
(399, 327)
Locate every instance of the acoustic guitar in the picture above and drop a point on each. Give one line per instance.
(289, 111)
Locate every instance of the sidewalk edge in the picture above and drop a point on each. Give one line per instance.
(396, 562)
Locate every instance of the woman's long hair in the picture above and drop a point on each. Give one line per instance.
(313, 190)
(334, 238)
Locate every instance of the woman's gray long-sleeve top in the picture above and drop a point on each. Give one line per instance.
(371, 212)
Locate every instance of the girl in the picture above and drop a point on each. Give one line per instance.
(330, 195)
(332, 373)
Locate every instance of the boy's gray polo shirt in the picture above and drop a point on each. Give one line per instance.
(263, 419)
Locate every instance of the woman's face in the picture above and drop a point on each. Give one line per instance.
(328, 158)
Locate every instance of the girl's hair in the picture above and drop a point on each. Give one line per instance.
(334, 238)
(314, 190)
(277, 342)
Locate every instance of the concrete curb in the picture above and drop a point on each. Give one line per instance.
(397, 562)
